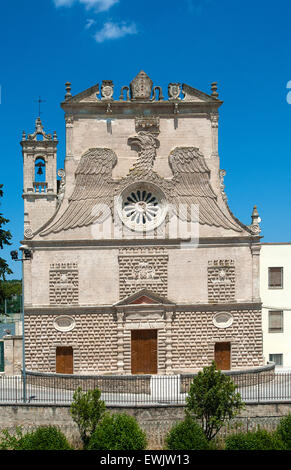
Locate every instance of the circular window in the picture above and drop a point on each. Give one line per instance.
(223, 320)
(64, 323)
(142, 206)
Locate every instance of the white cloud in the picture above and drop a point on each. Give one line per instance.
(89, 23)
(97, 5)
(112, 30)
(63, 3)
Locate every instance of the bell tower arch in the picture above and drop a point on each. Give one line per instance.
(39, 151)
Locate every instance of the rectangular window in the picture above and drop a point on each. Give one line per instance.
(275, 278)
(277, 358)
(275, 321)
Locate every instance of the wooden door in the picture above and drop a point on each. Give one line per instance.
(222, 356)
(144, 352)
(64, 360)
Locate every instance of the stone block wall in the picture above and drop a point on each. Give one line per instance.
(94, 342)
(155, 420)
(194, 336)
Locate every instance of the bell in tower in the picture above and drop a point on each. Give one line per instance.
(39, 152)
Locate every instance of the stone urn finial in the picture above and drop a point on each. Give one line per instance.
(214, 90)
(68, 91)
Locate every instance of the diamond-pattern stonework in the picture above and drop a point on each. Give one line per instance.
(94, 342)
(221, 281)
(64, 284)
(194, 336)
(143, 268)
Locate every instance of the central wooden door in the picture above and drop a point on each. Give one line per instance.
(64, 360)
(144, 352)
(222, 356)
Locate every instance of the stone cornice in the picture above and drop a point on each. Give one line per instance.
(130, 109)
(79, 309)
(167, 243)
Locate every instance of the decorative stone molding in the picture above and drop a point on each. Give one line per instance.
(28, 233)
(69, 118)
(222, 174)
(174, 90)
(223, 320)
(121, 97)
(149, 124)
(141, 87)
(61, 191)
(107, 90)
(159, 89)
(64, 323)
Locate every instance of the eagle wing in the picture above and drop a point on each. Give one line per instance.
(91, 200)
(193, 193)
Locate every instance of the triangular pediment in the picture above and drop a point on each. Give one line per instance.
(86, 96)
(192, 94)
(143, 297)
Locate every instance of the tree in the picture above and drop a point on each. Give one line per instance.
(213, 400)
(87, 409)
(5, 237)
(11, 292)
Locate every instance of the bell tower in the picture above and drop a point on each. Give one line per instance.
(39, 152)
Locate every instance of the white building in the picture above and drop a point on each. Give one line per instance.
(275, 280)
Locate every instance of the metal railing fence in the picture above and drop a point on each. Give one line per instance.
(135, 390)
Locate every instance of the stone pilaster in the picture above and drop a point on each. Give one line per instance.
(168, 342)
(255, 249)
(120, 343)
(69, 134)
(214, 129)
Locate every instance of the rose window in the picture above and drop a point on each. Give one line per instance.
(143, 207)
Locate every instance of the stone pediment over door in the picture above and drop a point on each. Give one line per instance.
(145, 311)
(144, 297)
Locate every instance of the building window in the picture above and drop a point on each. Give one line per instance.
(277, 358)
(275, 321)
(275, 278)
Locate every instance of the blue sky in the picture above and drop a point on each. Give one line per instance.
(243, 45)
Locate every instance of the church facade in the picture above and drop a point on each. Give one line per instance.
(138, 265)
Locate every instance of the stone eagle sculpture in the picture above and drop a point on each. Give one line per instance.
(95, 189)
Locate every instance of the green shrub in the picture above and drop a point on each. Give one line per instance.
(11, 441)
(43, 438)
(283, 431)
(118, 431)
(213, 400)
(254, 440)
(87, 409)
(186, 435)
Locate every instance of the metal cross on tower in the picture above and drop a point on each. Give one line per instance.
(39, 101)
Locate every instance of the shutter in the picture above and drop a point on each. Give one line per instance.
(275, 277)
(275, 321)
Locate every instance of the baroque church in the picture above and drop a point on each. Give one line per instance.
(138, 265)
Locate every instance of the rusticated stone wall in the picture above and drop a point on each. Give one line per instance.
(189, 346)
(94, 342)
(194, 336)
